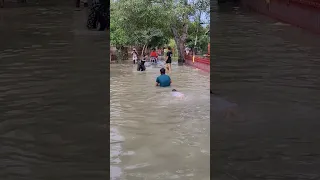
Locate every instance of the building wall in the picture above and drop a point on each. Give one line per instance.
(301, 13)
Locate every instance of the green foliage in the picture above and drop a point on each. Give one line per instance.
(151, 22)
(203, 37)
(158, 42)
(137, 22)
(173, 45)
(145, 36)
(119, 36)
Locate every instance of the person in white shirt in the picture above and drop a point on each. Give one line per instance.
(177, 94)
(134, 56)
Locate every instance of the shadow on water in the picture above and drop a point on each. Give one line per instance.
(271, 70)
(153, 134)
(53, 96)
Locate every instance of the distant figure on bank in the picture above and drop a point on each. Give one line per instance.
(163, 80)
(187, 51)
(134, 54)
(177, 94)
(169, 59)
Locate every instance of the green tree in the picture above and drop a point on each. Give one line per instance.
(199, 33)
(143, 22)
(179, 13)
(138, 22)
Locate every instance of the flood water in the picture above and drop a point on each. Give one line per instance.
(154, 135)
(54, 104)
(271, 71)
(53, 95)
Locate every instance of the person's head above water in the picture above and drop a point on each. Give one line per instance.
(174, 90)
(163, 80)
(162, 71)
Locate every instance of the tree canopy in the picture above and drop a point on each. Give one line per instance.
(154, 22)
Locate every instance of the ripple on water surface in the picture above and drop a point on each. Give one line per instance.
(48, 77)
(271, 71)
(161, 137)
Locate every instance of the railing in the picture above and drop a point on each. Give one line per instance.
(199, 59)
(202, 63)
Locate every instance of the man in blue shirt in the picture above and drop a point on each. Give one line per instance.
(163, 80)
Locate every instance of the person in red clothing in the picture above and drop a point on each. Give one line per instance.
(154, 55)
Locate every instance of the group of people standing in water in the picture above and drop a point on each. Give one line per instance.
(163, 80)
(153, 58)
(218, 104)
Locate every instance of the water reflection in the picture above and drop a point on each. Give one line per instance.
(163, 137)
(48, 79)
(271, 71)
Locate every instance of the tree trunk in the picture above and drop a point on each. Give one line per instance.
(180, 42)
(181, 52)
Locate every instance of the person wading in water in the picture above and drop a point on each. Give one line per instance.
(169, 59)
(163, 80)
(154, 55)
(134, 54)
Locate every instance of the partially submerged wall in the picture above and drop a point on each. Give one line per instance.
(202, 63)
(301, 13)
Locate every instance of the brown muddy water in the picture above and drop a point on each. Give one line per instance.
(271, 71)
(53, 96)
(153, 134)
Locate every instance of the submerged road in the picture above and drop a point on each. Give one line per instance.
(153, 134)
(53, 96)
(271, 70)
